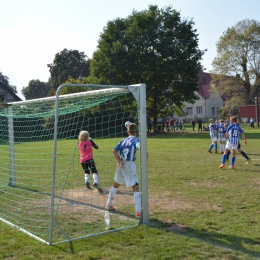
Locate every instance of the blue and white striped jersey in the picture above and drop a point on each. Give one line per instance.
(221, 130)
(234, 130)
(212, 130)
(127, 148)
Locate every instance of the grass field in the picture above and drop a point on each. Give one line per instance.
(197, 211)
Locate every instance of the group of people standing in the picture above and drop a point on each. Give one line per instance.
(228, 137)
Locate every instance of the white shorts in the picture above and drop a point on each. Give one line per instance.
(127, 174)
(222, 139)
(230, 146)
(214, 139)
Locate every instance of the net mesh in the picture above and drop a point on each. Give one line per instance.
(78, 212)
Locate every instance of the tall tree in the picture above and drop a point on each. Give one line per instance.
(36, 89)
(155, 47)
(236, 68)
(68, 63)
(5, 80)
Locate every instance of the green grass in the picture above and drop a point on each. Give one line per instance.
(197, 211)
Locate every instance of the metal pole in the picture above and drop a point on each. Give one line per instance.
(257, 117)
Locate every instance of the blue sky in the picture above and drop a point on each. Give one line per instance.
(33, 31)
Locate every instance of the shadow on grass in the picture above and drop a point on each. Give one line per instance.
(222, 241)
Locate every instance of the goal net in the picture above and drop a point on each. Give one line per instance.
(42, 183)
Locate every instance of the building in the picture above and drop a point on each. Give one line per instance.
(248, 111)
(209, 103)
(6, 94)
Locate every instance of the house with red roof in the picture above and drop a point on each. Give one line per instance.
(209, 103)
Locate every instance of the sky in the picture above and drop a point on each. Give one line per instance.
(33, 31)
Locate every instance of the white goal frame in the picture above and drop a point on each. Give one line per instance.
(139, 93)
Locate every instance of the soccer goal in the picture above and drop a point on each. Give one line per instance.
(42, 186)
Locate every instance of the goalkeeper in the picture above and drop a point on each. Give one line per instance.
(86, 159)
(125, 154)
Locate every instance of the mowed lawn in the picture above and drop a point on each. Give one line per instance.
(197, 211)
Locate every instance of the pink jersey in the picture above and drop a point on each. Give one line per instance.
(85, 151)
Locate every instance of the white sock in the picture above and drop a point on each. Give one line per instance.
(111, 196)
(137, 201)
(95, 178)
(86, 177)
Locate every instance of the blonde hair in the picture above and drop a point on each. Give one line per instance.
(221, 121)
(234, 118)
(83, 135)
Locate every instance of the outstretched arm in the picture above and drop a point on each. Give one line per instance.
(93, 144)
(244, 137)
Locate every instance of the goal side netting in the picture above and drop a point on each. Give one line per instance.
(42, 183)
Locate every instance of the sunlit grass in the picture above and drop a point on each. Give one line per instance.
(197, 211)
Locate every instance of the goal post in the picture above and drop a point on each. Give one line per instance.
(43, 192)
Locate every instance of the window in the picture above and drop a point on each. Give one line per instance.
(199, 110)
(213, 111)
(217, 111)
(204, 80)
(189, 111)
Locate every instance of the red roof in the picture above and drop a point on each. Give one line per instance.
(204, 86)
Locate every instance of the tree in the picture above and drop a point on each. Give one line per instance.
(236, 68)
(5, 80)
(36, 89)
(155, 47)
(68, 63)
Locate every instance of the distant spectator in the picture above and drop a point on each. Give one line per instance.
(199, 125)
(177, 124)
(150, 123)
(252, 122)
(227, 121)
(156, 130)
(167, 124)
(172, 121)
(181, 124)
(193, 124)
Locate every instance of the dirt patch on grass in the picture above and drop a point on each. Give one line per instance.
(166, 202)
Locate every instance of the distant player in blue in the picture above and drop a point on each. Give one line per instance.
(213, 136)
(125, 154)
(221, 135)
(232, 134)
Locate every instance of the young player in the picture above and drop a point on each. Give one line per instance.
(86, 159)
(233, 139)
(221, 135)
(125, 154)
(242, 152)
(212, 133)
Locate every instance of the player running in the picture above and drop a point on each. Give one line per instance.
(213, 136)
(232, 134)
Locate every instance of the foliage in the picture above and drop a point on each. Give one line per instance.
(36, 89)
(84, 80)
(236, 70)
(67, 63)
(155, 47)
(5, 80)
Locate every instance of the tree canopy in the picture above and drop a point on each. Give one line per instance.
(155, 47)
(5, 80)
(68, 63)
(236, 68)
(36, 89)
